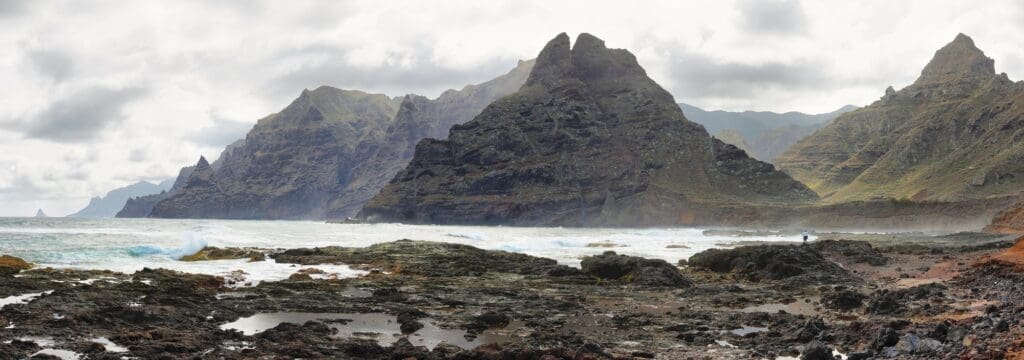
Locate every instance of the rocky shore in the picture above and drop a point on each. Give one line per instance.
(876, 297)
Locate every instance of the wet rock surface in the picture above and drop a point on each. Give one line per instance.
(514, 306)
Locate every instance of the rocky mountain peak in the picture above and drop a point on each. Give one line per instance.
(958, 59)
(587, 59)
(202, 164)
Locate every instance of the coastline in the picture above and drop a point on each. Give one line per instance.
(944, 297)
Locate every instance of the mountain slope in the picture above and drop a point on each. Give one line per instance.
(952, 135)
(290, 163)
(326, 154)
(767, 134)
(114, 201)
(141, 206)
(588, 140)
(418, 118)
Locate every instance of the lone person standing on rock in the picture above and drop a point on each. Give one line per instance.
(805, 236)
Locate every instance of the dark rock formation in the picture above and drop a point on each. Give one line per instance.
(772, 262)
(326, 154)
(952, 135)
(588, 140)
(424, 258)
(635, 270)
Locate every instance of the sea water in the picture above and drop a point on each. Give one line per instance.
(128, 245)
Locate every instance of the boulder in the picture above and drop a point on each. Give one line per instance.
(816, 350)
(10, 265)
(803, 264)
(635, 270)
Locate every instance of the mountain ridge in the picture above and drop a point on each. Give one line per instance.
(590, 139)
(951, 135)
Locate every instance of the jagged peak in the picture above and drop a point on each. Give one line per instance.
(553, 62)
(587, 58)
(202, 164)
(958, 59)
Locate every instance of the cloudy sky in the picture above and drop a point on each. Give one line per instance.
(100, 94)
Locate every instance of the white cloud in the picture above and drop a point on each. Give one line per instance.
(247, 59)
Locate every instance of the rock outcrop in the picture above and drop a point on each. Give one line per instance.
(326, 154)
(588, 140)
(795, 263)
(634, 270)
(952, 135)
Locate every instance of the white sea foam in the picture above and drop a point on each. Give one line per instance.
(128, 245)
(21, 299)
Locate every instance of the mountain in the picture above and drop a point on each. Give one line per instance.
(767, 134)
(114, 201)
(588, 140)
(953, 135)
(418, 118)
(325, 154)
(40, 214)
(141, 206)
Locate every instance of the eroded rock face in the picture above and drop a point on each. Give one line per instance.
(588, 140)
(952, 135)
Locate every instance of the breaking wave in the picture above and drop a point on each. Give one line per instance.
(192, 244)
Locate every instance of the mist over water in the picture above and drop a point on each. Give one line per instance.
(130, 244)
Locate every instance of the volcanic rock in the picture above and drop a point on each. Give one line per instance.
(588, 140)
(632, 269)
(772, 262)
(424, 258)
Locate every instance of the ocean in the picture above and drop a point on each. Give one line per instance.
(128, 245)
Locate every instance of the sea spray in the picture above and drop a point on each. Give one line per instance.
(193, 242)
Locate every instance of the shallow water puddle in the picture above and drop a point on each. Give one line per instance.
(21, 299)
(743, 331)
(62, 354)
(380, 327)
(799, 307)
(110, 346)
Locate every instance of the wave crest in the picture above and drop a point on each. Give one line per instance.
(192, 244)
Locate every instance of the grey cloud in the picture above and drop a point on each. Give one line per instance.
(138, 155)
(81, 116)
(11, 8)
(772, 16)
(325, 65)
(22, 188)
(54, 64)
(224, 131)
(697, 75)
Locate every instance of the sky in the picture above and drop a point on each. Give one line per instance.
(96, 95)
